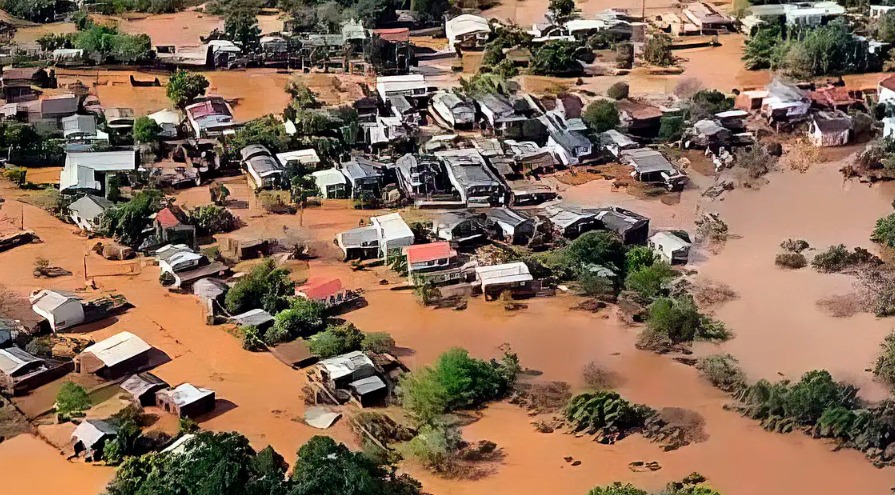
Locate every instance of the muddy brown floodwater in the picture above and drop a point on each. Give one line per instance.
(29, 465)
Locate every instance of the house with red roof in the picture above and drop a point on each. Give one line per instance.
(328, 291)
(171, 228)
(435, 262)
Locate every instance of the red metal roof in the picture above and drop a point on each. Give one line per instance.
(833, 96)
(320, 288)
(888, 83)
(167, 219)
(394, 34)
(421, 253)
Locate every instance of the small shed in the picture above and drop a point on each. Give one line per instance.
(296, 354)
(509, 226)
(830, 129)
(253, 318)
(331, 183)
(142, 388)
(631, 227)
(459, 226)
(670, 247)
(61, 310)
(495, 279)
(340, 371)
(114, 357)
(90, 437)
(186, 400)
(369, 391)
(17, 365)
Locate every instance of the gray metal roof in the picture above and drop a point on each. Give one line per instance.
(254, 149)
(79, 124)
(13, 359)
(646, 160)
(361, 168)
(367, 385)
(91, 206)
(570, 140)
(468, 167)
(254, 317)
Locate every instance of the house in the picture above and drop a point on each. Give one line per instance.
(467, 32)
(328, 292)
(886, 90)
(119, 119)
(784, 102)
(708, 18)
(829, 129)
(499, 113)
(80, 133)
(630, 227)
(88, 172)
(364, 177)
(510, 227)
(19, 81)
(640, 119)
(709, 134)
(403, 109)
(169, 121)
(670, 247)
(60, 310)
(411, 86)
(393, 233)
(20, 371)
(181, 261)
(171, 228)
(471, 177)
(566, 106)
(459, 226)
(87, 212)
(210, 117)
(142, 388)
(453, 110)
(431, 263)
(836, 98)
(90, 438)
(569, 222)
(263, 169)
(750, 100)
(352, 372)
(733, 120)
(495, 279)
(296, 354)
(257, 318)
(360, 243)
(804, 14)
(305, 158)
(877, 11)
(115, 356)
(615, 142)
(58, 106)
(331, 183)
(651, 166)
(369, 391)
(274, 49)
(384, 130)
(570, 147)
(179, 446)
(418, 175)
(185, 400)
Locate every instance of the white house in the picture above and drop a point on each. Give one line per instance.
(394, 233)
(670, 247)
(454, 110)
(181, 261)
(61, 310)
(406, 85)
(331, 183)
(306, 157)
(81, 169)
(87, 211)
(505, 276)
(877, 11)
(467, 31)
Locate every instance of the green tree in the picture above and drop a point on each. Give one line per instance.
(618, 91)
(210, 220)
(762, 49)
(885, 27)
(430, 11)
(561, 11)
(658, 50)
(617, 489)
(436, 447)
(679, 320)
(723, 371)
(146, 130)
(649, 281)
(184, 87)
(241, 27)
(265, 286)
(815, 392)
(379, 342)
(884, 368)
(884, 232)
(600, 248)
(704, 104)
(336, 340)
(303, 318)
(557, 58)
(601, 116)
(639, 257)
(127, 221)
(71, 399)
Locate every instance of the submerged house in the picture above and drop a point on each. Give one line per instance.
(142, 388)
(171, 228)
(459, 226)
(262, 168)
(432, 263)
(60, 310)
(467, 32)
(90, 438)
(364, 176)
(455, 111)
(471, 177)
(651, 166)
(670, 247)
(20, 371)
(331, 183)
(186, 400)
(495, 279)
(570, 222)
(89, 171)
(383, 237)
(631, 227)
(115, 356)
(355, 373)
(87, 212)
(829, 129)
(210, 117)
(510, 227)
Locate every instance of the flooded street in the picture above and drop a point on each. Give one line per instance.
(29, 465)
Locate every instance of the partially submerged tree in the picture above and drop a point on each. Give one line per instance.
(146, 130)
(601, 116)
(72, 399)
(127, 221)
(265, 286)
(303, 318)
(241, 28)
(658, 50)
(184, 87)
(336, 340)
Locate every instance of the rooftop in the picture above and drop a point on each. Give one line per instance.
(118, 348)
(13, 359)
(185, 394)
(320, 288)
(421, 253)
(346, 364)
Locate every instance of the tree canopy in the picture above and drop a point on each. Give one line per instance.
(556, 58)
(601, 116)
(184, 87)
(146, 130)
(126, 222)
(265, 287)
(241, 27)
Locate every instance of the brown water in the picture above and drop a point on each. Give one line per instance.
(31, 466)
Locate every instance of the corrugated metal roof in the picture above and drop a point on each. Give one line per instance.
(118, 348)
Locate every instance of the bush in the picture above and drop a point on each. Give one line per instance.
(617, 488)
(302, 319)
(838, 258)
(658, 50)
(795, 245)
(592, 284)
(704, 104)
(71, 399)
(435, 447)
(455, 381)
(723, 371)
(378, 342)
(265, 286)
(210, 220)
(251, 339)
(336, 340)
(607, 411)
(884, 368)
(649, 281)
(679, 320)
(596, 377)
(618, 91)
(593, 248)
(884, 232)
(671, 128)
(127, 222)
(184, 87)
(601, 116)
(791, 260)
(638, 257)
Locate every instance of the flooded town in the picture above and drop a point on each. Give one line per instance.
(452, 248)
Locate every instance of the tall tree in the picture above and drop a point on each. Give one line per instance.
(184, 87)
(561, 11)
(241, 27)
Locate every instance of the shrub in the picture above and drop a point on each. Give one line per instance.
(593, 411)
(671, 128)
(211, 220)
(658, 50)
(303, 319)
(618, 91)
(791, 260)
(336, 340)
(722, 371)
(593, 248)
(72, 398)
(435, 447)
(884, 232)
(638, 257)
(617, 488)
(251, 339)
(592, 284)
(795, 245)
(884, 368)
(184, 87)
(837, 259)
(597, 378)
(378, 342)
(127, 222)
(649, 281)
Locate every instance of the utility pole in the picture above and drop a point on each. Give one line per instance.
(643, 10)
(85, 268)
